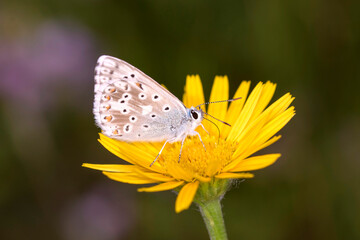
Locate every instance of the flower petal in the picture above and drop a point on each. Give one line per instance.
(178, 172)
(246, 113)
(219, 92)
(194, 94)
(249, 135)
(275, 125)
(153, 175)
(186, 196)
(201, 178)
(129, 178)
(162, 187)
(265, 97)
(254, 163)
(249, 138)
(280, 105)
(135, 153)
(234, 175)
(248, 152)
(266, 144)
(271, 112)
(236, 106)
(111, 167)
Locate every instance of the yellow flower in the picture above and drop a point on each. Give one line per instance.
(228, 155)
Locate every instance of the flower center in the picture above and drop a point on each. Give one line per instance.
(195, 161)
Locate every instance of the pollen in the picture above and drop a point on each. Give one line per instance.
(195, 161)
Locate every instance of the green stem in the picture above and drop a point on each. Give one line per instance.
(213, 218)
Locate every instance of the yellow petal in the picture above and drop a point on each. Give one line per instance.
(129, 178)
(249, 135)
(179, 172)
(148, 149)
(162, 187)
(186, 196)
(113, 149)
(135, 153)
(280, 105)
(236, 107)
(201, 178)
(255, 134)
(219, 92)
(234, 175)
(271, 112)
(275, 125)
(194, 94)
(266, 144)
(111, 167)
(265, 97)
(246, 113)
(254, 163)
(153, 175)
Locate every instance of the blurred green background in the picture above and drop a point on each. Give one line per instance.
(48, 50)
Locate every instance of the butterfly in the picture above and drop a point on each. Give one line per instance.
(130, 106)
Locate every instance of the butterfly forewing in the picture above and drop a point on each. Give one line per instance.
(131, 106)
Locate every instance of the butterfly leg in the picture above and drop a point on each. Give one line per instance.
(204, 128)
(200, 139)
(182, 143)
(159, 153)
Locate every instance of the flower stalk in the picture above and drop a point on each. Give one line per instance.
(213, 218)
(208, 200)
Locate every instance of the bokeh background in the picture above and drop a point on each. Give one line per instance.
(48, 50)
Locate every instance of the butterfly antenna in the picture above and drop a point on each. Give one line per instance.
(228, 100)
(217, 119)
(215, 125)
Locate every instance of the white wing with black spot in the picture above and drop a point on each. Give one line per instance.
(130, 106)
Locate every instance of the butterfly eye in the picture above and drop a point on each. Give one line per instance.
(194, 114)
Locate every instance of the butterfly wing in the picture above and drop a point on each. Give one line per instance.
(130, 106)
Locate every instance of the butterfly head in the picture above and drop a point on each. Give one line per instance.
(195, 116)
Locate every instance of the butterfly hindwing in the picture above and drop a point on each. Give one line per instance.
(131, 106)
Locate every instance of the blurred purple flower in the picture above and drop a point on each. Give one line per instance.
(57, 57)
(102, 213)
